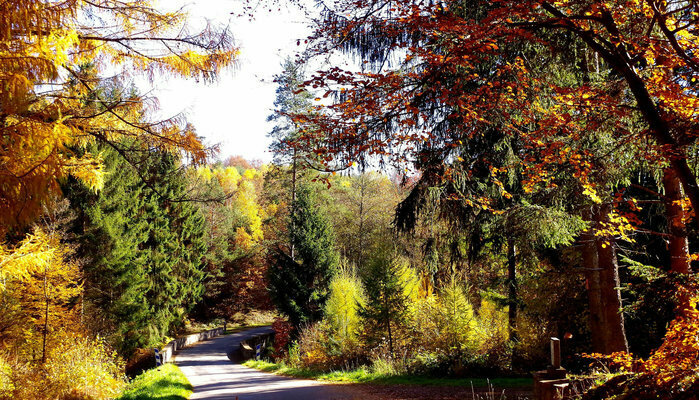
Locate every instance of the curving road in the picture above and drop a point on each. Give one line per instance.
(215, 377)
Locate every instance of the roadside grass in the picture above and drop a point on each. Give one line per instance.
(166, 382)
(366, 375)
(239, 328)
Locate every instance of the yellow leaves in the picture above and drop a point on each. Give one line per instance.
(591, 193)
(243, 238)
(85, 367)
(620, 359)
(35, 252)
(617, 225)
(250, 174)
(42, 44)
(87, 169)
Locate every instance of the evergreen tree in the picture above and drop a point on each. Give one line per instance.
(291, 98)
(388, 287)
(143, 247)
(299, 286)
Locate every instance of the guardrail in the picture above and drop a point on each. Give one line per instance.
(169, 350)
(252, 347)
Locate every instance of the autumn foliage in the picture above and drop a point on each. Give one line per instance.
(66, 84)
(51, 102)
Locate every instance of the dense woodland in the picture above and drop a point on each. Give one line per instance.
(487, 175)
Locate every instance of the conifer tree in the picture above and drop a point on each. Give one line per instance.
(387, 287)
(299, 287)
(144, 246)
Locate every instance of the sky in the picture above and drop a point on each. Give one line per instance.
(233, 111)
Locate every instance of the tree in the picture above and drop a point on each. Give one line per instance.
(361, 208)
(47, 96)
(143, 251)
(462, 69)
(48, 296)
(345, 300)
(291, 99)
(390, 286)
(235, 257)
(299, 287)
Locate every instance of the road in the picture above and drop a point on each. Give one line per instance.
(215, 377)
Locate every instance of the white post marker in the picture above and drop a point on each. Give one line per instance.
(258, 349)
(158, 359)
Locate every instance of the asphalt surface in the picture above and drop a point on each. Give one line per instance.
(215, 377)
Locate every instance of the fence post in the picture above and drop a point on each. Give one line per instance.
(158, 358)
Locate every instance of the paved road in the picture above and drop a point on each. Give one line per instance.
(215, 377)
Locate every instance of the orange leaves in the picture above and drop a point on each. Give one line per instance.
(618, 361)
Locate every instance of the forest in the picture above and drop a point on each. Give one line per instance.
(473, 179)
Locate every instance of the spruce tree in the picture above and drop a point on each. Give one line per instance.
(142, 246)
(299, 286)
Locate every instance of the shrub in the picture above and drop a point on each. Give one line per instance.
(77, 368)
(282, 337)
(319, 350)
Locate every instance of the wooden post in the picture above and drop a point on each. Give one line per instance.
(555, 353)
(552, 383)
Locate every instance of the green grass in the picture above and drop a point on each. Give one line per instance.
(365, 375)
(239, 328)
(166, 382)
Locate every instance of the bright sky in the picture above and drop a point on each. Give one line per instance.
(233, 112)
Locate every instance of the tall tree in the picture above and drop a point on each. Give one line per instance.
(463, 68)
(45, 95)
(143, 249)
(299, 287)
(291, 99)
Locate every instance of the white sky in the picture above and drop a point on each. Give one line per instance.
(233, 111)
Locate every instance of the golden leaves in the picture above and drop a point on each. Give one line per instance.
(47, 119)
(35, 252)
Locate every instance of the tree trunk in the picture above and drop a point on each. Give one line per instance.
(614, 333)
(293, 199)
(592, 283)
(512, 288)
(602, 283)
(678, 244)
(46, 316)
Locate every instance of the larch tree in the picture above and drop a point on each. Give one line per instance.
(44, 91)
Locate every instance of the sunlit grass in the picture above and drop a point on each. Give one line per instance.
(240, 328)
(166, 382)
(367, 375)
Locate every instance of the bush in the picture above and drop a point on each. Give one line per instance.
(319, 350)
(85, 368)
(282, 337)
(77, 368)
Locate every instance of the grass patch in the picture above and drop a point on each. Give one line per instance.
(366, 375)
(239, 328)
(166, 382)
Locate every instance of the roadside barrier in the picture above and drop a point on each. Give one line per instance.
(168, 351)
